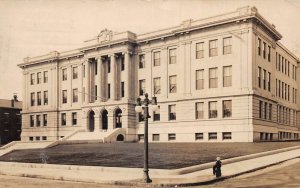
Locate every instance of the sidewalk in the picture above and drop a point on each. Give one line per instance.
(133, 176)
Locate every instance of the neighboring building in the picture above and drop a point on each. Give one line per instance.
(224, 78)
(10, 120)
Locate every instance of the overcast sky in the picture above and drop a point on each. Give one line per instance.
(37, 27)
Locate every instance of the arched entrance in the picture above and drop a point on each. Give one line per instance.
(104, 119)
(120, 137)
(91, 125)
(118, 118)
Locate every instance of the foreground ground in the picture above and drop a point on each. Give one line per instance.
(161, 155)
(285, 175)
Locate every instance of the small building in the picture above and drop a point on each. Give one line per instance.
(10, 120)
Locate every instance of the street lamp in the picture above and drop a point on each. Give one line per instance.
(140, 105)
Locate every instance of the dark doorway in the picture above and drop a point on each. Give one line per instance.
(104, 119)
(118, 118)
(120, 137)
(91, 121)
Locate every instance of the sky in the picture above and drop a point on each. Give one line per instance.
(30, 28)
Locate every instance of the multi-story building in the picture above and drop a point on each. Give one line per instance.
(10, 120)
(224, 78)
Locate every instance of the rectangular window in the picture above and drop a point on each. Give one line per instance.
(288, 68)
(213, 48)
(212, 136)
(45, 97)
(39, 78)
(227, 108)
(156, 59)
(44, 137)
(108, 91)
(39, 98)
(32, 79)
(199, 110)
(172, 112)
(279, 62)
(226, 135)
(200, 50)
(288, 95)
(95, 92)
(264, 50)
(260, 109)
(172, 56)
(64, 74)
(259, 77)
(156, 88)
(108, 65)
(30, 138)
(259, 46)
(32, 98)
(45, 76)
(285, 67)
(155, 137)
(83, 71)
(45, 120)
(142, 61)
(227, 76)
(142, 87)
(171, 136)
(122, 63)
(269, 53)
(141, 117)
(38, 120)
(156, 114)
(270, 111)
(64, 96)
(213, 77)
(227, 45)
(63, 119)
(140, 137)
(266, 110)
(74, 118)
(75, 95)
(269, 81)
(31, 120)
(75, 72)
(95, 66)
(198, 136)
(37, 138)
(199, 79)
(172, 84)
(282, 64)
(264, 78)
(122, 89)
(213, 112)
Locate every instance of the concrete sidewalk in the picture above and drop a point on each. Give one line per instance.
(133, 176)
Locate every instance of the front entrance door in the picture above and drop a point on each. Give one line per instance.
(104, 119)
(91, 125)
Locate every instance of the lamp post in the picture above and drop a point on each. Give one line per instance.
(140, 105)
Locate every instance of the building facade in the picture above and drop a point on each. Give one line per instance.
(225, 78)
(10, 120)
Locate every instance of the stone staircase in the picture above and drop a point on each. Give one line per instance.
(19, 145)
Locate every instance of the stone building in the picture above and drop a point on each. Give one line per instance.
(225, 78)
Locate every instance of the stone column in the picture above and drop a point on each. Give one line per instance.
(100, 80)
(87, 81)
(113, 77)
(127, 81)
(110, 120)
(97, 121)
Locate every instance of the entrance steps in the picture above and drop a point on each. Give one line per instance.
(19, 145)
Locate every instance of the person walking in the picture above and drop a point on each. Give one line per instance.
(217, 168)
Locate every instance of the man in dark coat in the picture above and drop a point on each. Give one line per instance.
(217, 168)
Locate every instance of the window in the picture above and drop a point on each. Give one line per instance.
(140, 137)
(39, 78)
(227, 45)
(226, 135)
(108, 65)
(157, 89)
(45, 97)
(266, 109)
(156, 114)
(64, 74)
(260, 109)
(122, 89)
(156, 58)
(108, 91)
(264, 50)
(172, 136)
(39, 98)
(44, 137)
(31, 138)
(141, 117)
(142, 61)
(122, 63)
(172, 112)
(75, 95)
(31, 121)
(64, 97)
(259, 46)
(199, 110)
(227, 108)
(32, 98)
(264, 78)
(63, 119)
(288, 68)
(38, 120)
(45, 76)
(75, 72)
(213, 77)
(213, 112)
(32, 79)
(227, 76)
(142, 87)
(199, 79)
(212, 136)
(83, 71)
(45, 120)
(288, 95)
(213, 48)
(172, 56)
(269, 53)
(270, 111)
(198, 136)
(95, 93)
(155, 137)
(259, 77)
(74, 118)
(200, 50)
(37, 138)
(269, 81)
(95, 63)
(172, 84)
